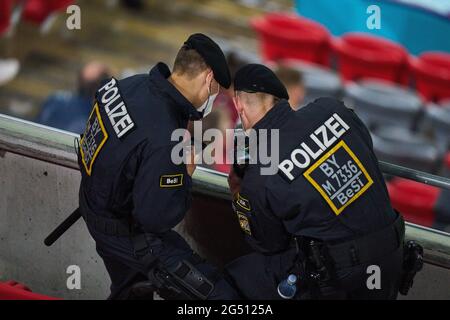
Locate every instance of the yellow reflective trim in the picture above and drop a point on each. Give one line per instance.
(105, 133)
(239, 197)
(307, 173)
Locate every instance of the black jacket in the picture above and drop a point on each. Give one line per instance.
(331, 187)
(125, 152)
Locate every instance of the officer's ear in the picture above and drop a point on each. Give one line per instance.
(210, 77)
(237, 104)
(215, 88)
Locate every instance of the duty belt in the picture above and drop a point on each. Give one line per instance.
(108, 226)
(368, 248)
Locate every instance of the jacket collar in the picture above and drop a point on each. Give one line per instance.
(159, 75)
(275, 117)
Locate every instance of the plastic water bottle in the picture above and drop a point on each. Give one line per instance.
(288, 287)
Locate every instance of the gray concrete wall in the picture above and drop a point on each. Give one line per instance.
(34, 197)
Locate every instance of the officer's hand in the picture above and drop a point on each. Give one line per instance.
(234, 182)
(190, 169)
(191, 165)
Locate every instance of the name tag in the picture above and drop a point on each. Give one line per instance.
(94, 137)
(171, 180)
(339, 177)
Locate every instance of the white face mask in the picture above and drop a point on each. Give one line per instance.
(206, 108)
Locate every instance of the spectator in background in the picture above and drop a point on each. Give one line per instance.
(69, 111)
(293, 81)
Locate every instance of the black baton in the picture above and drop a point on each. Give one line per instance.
(62, 228)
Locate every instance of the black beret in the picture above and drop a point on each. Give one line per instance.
(213, 56)
(258, 78)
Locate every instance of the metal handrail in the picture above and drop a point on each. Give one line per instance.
(57, 147)
(412, 174)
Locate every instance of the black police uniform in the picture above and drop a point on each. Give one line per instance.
(330, 190)
(130, 186)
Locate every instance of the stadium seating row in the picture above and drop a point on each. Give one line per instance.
(35, 11)
(355, 55)
(374, 78)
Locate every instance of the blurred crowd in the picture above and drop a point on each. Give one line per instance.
(69, 110)
(42, 14)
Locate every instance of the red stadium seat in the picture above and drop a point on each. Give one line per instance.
(432, 75)
(366, 56)
(288, 36)
(5, 15)
(12, 290)
(414, 200)
(37, 11)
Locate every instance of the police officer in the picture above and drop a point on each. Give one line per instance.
(132, 193)
(324, 215)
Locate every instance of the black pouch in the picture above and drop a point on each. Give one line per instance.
(190, 278)
(412, 263)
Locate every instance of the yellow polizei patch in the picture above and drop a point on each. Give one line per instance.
(339, 177)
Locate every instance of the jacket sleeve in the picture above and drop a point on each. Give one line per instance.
(161, 191)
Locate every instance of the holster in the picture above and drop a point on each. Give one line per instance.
(412, 263)
(183, 282)
(314, 267)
